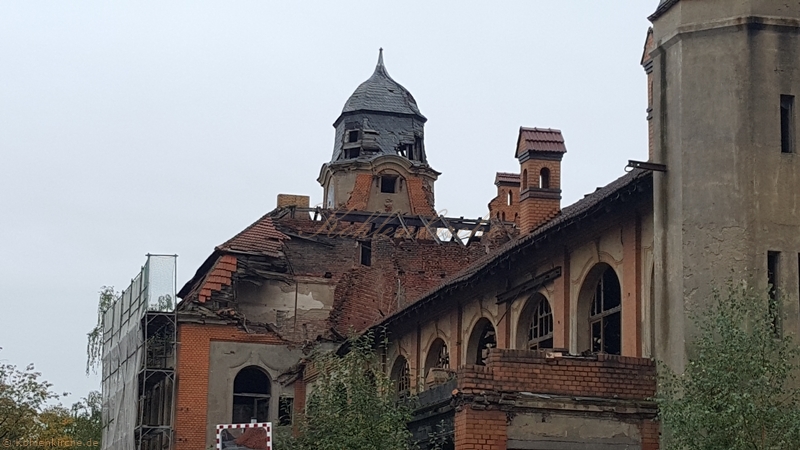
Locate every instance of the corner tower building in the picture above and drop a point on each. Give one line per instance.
(726, 75)
(379, 162)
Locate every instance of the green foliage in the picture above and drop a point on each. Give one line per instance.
(739, 389)
(352, 405)
(94, 344)
(23, 394)
(25, 414)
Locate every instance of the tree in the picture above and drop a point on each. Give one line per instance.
(739, 389)
(353, 405)
(23, 394)
(94, 344)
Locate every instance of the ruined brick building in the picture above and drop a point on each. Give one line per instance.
(537, 328)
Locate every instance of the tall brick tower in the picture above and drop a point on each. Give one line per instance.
(539, 151)
(726, 76)
(379, 162)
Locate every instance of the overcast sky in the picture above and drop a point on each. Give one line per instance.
(167, 127)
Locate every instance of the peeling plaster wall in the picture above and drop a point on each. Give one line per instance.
(729, 195)
(227, 359)
(547, 431)
(279, 302)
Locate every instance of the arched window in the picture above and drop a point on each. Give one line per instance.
(510, 198)
(605, 315)
(251, 393)
(482, 339)
(401, 375)
(503, 215)
(524, 179)
(544, 178)
(535, 329)
(438, 356)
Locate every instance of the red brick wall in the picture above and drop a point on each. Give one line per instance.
(499, 207)
(365, 294)
(480, 429)
(191, 403)
(534, 211)
(526, 371)
(360, 194)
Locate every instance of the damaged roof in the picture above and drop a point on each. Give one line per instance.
(381, 93)
(261, 237)
(540, 140)
(591, 203)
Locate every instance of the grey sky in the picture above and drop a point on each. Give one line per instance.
(167, 127)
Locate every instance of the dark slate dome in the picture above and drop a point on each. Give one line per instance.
(381, 93)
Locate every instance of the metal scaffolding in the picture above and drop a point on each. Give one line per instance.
(139, 341)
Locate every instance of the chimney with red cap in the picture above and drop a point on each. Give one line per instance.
(539, 151)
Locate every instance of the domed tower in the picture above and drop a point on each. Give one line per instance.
(379, 162)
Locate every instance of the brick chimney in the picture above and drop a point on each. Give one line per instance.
(288, 200)
(539, 151)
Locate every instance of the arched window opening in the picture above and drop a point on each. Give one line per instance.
(510, 198)
(389, 184)
(251, 394)
(503, 215)
(540, 332)
(605, 316)
(482, 339)
(401, 375)
(438, 356)
(544, 178)
(524, 179)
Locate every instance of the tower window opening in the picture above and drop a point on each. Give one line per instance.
(352, 136)
(787, 124)
(525, 179)
(510, 198)
(406, 151)
(388, 184)
(773, 260)
(544, 178)
(352, 153)
(366, 253)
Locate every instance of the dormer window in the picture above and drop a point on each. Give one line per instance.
(388, 184)
(404, 150)
(352, 153)
(353, 136)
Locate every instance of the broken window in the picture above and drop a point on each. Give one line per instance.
(540, 334)
(388, 184)
(251, 389)
(406, 151)
(352, 153)
(482, 339)
(773, 260)
(401, 375)
(285, 409)
(787, 124)
(438, 356)
(605, 318)
(544, 178)
(366, 253)
(352, 136)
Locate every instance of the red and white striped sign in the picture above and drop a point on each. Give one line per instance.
(244, 436)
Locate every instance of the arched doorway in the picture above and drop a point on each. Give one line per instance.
(481, 340)
(251, 394)
(535, 327)
(600, 312)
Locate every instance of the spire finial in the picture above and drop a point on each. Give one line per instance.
(380, 57)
